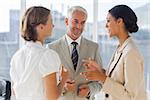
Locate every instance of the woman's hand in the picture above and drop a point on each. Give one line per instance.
(64, 74)
(93, 71)
(91, 65)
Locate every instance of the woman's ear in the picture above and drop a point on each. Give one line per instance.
(119, 20)
(121, 23)
(39, 27)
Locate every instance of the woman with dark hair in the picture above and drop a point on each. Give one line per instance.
(34, 68)
(124, 79)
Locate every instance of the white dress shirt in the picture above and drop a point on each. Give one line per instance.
(28, 66)
(69, 41)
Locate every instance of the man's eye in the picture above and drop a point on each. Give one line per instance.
(83, 23)
(76, 21)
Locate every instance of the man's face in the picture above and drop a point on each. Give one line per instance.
(76, 24)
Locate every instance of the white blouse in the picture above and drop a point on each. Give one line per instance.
(28, 66)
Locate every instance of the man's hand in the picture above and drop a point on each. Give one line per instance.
(83, 90)
(70, 86)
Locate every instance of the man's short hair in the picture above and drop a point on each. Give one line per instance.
(76, 8)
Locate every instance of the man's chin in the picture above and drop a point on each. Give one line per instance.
(76, 36)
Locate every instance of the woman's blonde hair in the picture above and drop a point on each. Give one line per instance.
(33, 16)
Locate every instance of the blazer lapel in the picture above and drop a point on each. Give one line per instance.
(83, 49)
(120, 51)
(66, 53)
(114, 64)
(110, 66)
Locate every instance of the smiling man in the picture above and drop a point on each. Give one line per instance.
(72, 49)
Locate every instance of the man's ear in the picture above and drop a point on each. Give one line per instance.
(66, 21)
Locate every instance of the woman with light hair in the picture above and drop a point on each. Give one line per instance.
(34, 68)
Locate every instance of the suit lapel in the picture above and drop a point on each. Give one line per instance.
(83, 49)
(66, 53)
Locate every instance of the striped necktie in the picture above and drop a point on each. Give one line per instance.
(74, 55)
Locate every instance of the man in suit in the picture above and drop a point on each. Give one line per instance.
(73, 48)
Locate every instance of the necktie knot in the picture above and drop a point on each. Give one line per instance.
(74, 44)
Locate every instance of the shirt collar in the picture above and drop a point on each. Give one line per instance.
(34, 44)
(120, 49)
(69, 40)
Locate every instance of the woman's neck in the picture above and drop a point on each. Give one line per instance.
(40, 40)
(122, 38)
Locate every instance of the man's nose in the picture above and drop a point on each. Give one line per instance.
(79, 26)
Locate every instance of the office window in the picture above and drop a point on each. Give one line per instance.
(59, 12)
(9, 34)
(12, 11)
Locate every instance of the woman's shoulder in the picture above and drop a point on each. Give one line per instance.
(49, 53)
(19, 52)
(132, 50)
(49, 62)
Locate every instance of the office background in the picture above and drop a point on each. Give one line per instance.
(12, 10)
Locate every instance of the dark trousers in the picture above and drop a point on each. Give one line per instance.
(8, 90)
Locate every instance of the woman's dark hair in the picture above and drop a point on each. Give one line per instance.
(33, 16)
(128, 16)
